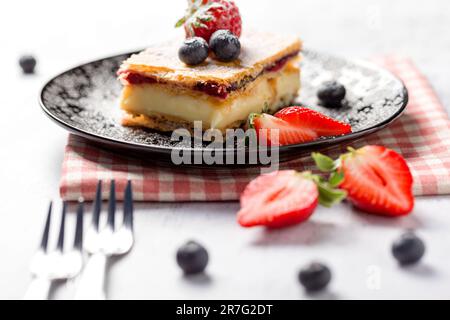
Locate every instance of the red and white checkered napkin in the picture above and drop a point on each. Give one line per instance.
(421, 135)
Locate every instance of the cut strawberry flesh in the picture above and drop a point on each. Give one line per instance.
(378, 181)
(295, 125)
(278, 199)
(274, 131)
(323, 125)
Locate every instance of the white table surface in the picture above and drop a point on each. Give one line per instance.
(244, 263)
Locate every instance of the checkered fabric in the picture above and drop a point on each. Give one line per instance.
(421, 135)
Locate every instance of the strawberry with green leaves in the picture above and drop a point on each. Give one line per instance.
(285, 198)
(295, 125)
(204, 17)
(377, 180)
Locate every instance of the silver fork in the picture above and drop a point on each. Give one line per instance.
(46, 266)
(104, 243)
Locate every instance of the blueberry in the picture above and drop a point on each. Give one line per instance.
(194, 51)
(408, 249)
(225, 45)
(192, 258)
(27, 63)
(315, 276)
(331, 94)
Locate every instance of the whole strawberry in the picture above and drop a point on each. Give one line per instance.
(204, 17)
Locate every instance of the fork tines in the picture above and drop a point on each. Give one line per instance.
(78, 241)
(44, 241)
(78, 228)
(128, 206)
(112, 203)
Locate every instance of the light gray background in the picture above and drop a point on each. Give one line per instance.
(244, 263)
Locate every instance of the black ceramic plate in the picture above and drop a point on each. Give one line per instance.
(84, 100)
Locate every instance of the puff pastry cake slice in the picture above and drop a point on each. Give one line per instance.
(161, 92)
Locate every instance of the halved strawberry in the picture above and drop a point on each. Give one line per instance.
(273, 131)
(278, 199)
(378, 180)
(321, 124)
(294, 125)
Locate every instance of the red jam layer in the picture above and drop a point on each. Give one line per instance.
(213, 89)
(278, 65)
(209, 88)
(135, 78)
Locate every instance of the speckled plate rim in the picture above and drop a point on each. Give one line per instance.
(165, 149)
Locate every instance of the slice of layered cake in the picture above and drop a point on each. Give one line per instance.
(163, 93)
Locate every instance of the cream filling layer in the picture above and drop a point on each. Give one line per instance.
(272, 91)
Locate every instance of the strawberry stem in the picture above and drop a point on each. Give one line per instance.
(251, 120)
(197, 12)
(323, 163)
(329, 195)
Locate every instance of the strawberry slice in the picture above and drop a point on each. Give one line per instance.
(278, 199)
(321, 124)
(378, 181)
(295, 125)
(273, 131)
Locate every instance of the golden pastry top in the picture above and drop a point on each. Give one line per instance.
(259, 50)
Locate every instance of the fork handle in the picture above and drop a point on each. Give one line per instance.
(38, 289)
(91, 285)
